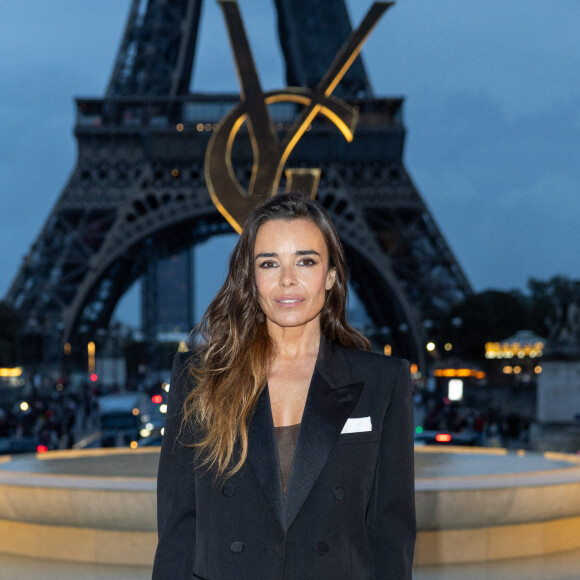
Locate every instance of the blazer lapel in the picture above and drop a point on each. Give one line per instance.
(263, 455)
(330, 401)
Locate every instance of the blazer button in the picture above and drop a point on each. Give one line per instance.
(237, 547)
(339, 493)
(228, 490)
(322, 548)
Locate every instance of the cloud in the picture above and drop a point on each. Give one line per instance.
(504, 189)
(214, 69)
(492, 92)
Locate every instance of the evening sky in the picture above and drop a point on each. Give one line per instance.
(492, 109)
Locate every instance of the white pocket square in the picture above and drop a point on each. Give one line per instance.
(357, 425)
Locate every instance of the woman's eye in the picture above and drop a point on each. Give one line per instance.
(268, 264)
(307, 262)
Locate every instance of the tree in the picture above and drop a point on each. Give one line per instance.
(551, 310)
(488, 316)
(555, 307)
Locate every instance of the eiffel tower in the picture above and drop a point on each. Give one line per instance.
(138, 194)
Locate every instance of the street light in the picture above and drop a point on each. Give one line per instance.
(91, 354)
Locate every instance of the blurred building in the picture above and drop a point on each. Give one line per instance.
(167, 301)
(518, 357)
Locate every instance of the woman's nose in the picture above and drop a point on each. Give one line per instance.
(287, 276)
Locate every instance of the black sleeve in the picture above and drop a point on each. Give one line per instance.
(175, 488)
(391, 524)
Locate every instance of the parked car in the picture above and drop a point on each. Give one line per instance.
(17, 445)
(121, 418)
(425, 437)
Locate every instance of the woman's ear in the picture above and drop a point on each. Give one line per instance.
(330, 278)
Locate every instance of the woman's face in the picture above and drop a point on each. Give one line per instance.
(292, 273)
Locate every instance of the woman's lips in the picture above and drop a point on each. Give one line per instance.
(289, 300)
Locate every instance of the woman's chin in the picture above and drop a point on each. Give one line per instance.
(291, 320)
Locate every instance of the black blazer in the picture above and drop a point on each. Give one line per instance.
(349, 511)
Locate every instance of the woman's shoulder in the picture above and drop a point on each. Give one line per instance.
(384, 376)
(181, 381)
(180, 359)
(374, 359)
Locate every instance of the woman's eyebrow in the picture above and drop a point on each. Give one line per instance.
(266, 255)
(275, 254)
(306, 252)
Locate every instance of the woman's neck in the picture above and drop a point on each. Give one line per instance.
(289, 375)
(295, 342)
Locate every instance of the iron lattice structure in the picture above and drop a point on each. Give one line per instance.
(137, 192)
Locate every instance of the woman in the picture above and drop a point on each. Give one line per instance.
(288, 447)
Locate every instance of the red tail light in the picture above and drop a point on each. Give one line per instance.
(443, 437)
(41, 449)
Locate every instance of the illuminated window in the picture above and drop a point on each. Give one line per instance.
(455, 390)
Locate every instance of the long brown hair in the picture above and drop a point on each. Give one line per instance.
(235, 349)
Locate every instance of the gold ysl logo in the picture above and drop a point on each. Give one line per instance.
(270, 153)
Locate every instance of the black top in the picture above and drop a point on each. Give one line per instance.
(349, 508)
(286, 440)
